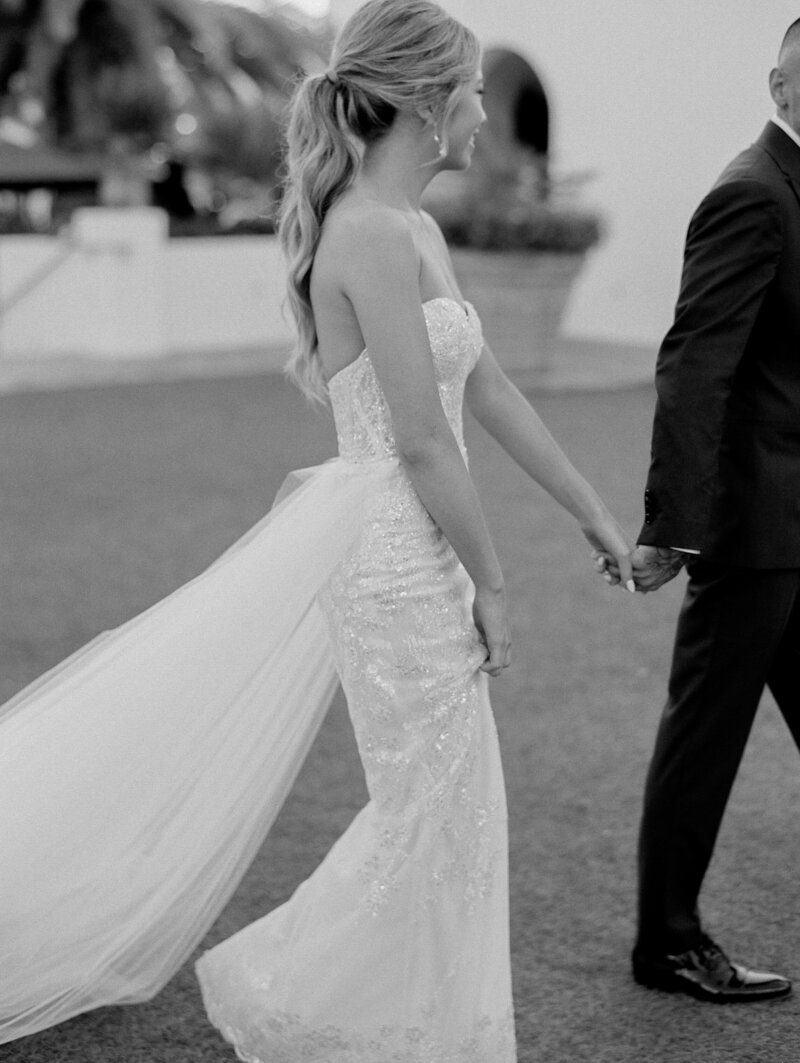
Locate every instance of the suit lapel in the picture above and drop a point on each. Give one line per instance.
(784, 152)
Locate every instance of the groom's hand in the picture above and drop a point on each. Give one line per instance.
(653, 566)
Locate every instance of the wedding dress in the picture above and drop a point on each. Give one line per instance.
(138, 779)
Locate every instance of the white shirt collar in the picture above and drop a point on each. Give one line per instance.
(779, 122)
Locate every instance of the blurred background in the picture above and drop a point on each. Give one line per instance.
(134, 134)
(139, 156)
(178, 103)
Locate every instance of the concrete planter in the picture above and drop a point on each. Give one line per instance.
(521, 297)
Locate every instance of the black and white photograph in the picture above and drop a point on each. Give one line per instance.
(399, 531)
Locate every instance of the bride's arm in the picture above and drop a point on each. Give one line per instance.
(508, 416)
(380, 277)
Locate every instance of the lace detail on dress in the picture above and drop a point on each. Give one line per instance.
(406, 647)
(489, 1041)
(408, 656)
(396, 949)
(363, 420)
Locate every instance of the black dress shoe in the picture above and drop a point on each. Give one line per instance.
(706, 973)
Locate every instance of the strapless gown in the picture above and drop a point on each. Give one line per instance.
(197, 716)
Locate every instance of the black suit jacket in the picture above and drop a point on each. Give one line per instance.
(725, 470)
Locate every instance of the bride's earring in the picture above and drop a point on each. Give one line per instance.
(438, 141)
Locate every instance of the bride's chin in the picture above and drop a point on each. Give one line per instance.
(465, 160)
(458, 160)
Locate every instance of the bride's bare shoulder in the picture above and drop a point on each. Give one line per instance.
(356, 221)
(361, 239)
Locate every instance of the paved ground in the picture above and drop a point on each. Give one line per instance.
(113, 495)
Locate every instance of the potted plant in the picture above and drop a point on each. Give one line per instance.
(518, 241)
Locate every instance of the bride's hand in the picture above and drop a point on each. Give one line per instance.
(489, 614)
(611, 545)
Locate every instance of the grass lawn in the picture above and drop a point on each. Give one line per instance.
(111, 497)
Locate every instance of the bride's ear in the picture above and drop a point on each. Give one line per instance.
(426, 118)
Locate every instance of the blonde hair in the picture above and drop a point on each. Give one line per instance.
(391, 55)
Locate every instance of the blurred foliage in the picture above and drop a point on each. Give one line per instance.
(515, 204)
(156, 84)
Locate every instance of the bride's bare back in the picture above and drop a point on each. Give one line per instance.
(342, 270)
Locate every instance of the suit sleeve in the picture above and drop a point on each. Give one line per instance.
(732, 251)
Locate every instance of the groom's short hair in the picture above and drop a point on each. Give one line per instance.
(790, 39)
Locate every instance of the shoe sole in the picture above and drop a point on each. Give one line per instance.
(670, 983)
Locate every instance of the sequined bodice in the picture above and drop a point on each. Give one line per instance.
(360, 410)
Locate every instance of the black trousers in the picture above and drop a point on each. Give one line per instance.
(738, 631)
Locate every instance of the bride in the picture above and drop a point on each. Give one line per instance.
(138, 778)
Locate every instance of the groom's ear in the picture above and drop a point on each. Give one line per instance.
(777, 87)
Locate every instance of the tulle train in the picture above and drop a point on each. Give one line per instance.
(139, 777)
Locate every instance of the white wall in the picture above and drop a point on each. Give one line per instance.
(224, 292)
(115, 286)
(654, 98)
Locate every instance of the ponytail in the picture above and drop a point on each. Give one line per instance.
(322, 162)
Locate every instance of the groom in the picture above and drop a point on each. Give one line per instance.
(723, 496)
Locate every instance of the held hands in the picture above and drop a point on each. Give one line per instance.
(489, 614)
(643, 569)
(612, 552)
(656, 565)
(653, 566)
